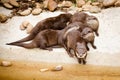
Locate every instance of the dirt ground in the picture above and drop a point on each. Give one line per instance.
(102, 63)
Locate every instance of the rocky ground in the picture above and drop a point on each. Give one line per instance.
(106, 54)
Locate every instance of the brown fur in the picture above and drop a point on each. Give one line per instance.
(77, 44)
(44, 39)
(85, 31)
(48, 38)
(56, 23)
(91, 21)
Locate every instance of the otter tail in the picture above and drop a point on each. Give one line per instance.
(28, 38)
(25, 45)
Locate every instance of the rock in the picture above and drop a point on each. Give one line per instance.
(7, 5)
(29, 28)
(44, 70)
(79, 9)
(74, 9)
(3, 18)
(25, 12)
(36, 11)
(24, 25)
(80, 3)
(52, 5)
(57, 68)
(108, 3)
(100, 1)
(94, 9)
(14, 3)
(45, 3)
(38, 5)
(86, 7)
(4, 1)
(66, 4)
(6, 63)
(117, 4)
(95, 3)
(88, 2)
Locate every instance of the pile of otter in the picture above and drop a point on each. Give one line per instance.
(72, 32)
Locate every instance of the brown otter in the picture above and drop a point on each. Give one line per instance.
(77, 44)
(57, 23)
(86, 32)
(42, 40)
(90, 20)
(49, 37)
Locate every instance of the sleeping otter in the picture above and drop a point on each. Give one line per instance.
(56, 23)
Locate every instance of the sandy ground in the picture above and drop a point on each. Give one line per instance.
(106, 54)
(31, 71)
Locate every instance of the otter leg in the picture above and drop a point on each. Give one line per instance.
(92, 43)
(69, 53)
(87, 46)
(79, 60)
(96, 32)
(84, 61)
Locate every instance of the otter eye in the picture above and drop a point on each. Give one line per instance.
(89, 31)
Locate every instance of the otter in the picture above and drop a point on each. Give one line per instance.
(77, 44)
(43, 40)
(86, 32)
(90, 20)
(56, 23)
(48, 38)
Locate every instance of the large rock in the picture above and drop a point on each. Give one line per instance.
(14, 3)
(36, 11)
(52, 5)
(117, 3)
(80, 3)
(45, 3)
(4, 1)
(25, 12)
(7, 5)
(108, 3)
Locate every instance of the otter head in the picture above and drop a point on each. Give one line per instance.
(87, 34)
(92, 22)
(81, 51)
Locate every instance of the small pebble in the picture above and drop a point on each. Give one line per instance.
(57, 68)
(6, 63)
(44, 70)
